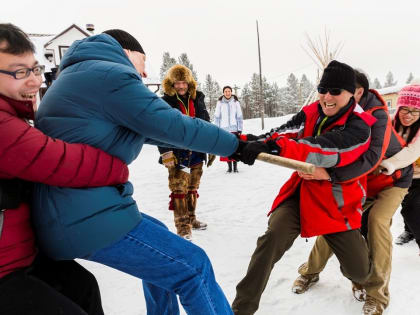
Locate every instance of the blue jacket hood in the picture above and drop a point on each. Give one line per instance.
(99, 47)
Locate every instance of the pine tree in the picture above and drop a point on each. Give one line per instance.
(167, 62)
(212, 91)
(282, 110)
(291, 97)
(183, 60)
(245, 101)
(306, 88)
(376, 84)
(272, 102)
(389, 80)
(410, 77)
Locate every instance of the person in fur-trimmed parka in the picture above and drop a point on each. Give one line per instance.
(180, 92)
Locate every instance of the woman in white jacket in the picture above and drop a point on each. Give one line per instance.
(407, 123)
(228, 116)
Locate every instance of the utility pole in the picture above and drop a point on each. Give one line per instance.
(260, 98)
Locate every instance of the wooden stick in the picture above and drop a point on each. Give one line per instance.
(285, 162)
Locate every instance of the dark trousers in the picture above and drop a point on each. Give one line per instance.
(50, 288)
(283, 228)
(410, 210)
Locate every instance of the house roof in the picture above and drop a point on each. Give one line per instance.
(390, 89)
(65, 31)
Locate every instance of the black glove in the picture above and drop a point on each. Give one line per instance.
(237, 153)
(274, 147)
(251, 137)
(251, 150)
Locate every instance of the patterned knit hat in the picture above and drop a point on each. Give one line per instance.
(126, 40)
(410, 95)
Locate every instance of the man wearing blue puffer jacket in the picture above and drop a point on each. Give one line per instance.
(99, 99)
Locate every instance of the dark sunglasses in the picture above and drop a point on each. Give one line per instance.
(25, 72)
(332, 91)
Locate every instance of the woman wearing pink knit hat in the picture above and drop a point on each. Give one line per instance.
(407, 124)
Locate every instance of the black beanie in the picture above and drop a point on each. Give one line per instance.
(125, 40)
(338, 75)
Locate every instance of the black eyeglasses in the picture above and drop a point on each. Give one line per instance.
(332, 91)
(414, 113)
(25, 72)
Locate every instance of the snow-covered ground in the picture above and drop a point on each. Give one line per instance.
(235, 208)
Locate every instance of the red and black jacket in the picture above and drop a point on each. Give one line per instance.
(385, 142)
(325, 207)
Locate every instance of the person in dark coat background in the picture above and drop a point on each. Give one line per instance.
(180, 91)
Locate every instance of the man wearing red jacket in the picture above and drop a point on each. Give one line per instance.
(30, 283)
(384, 193)
(331, 132)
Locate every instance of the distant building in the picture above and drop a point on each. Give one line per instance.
(50, 49)
(390, 95)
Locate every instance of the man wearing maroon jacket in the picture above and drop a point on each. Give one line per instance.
(30, 283)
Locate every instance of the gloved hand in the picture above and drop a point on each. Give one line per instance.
(251, 150)
(169, 159)
(251, 137)
(236, 155)
(211, 159)
(387, 167)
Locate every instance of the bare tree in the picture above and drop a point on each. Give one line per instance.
(322, 52)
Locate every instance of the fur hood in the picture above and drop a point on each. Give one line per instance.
(179, 73)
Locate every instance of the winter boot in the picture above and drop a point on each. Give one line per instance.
(181, 216)
(193, 185)
(304, 282)
(192, 203)
(404, 238)
(178, 182)
(372, 306)
(229, 167)
(359, 292)
(235, 167)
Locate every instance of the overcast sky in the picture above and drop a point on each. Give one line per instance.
(220, 36)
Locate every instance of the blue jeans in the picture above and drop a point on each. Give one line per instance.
(168, 266)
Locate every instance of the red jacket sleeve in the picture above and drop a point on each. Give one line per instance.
(26, 153)
(333, 148)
